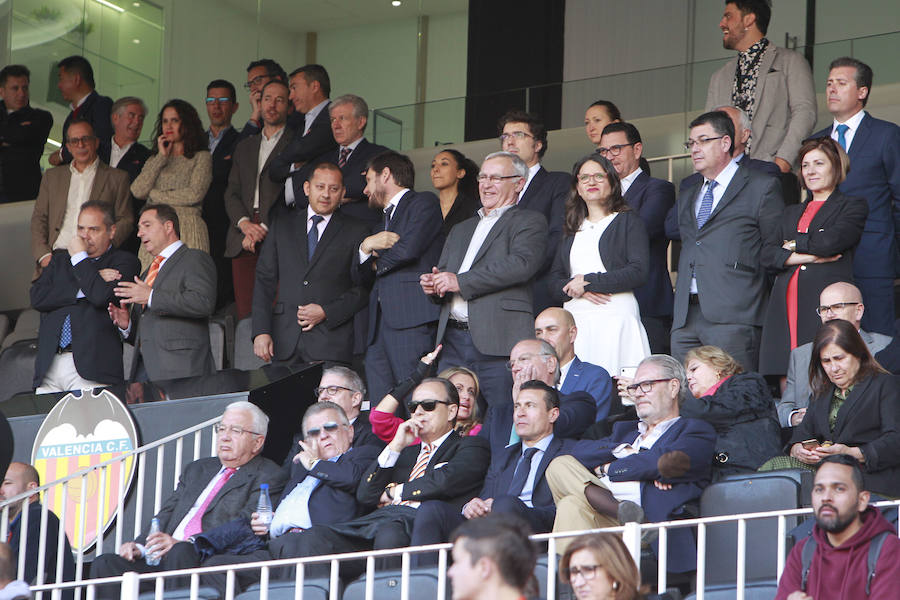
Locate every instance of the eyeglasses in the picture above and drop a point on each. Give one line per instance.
(82, 141)
(645, 386)
(428, 405)
(519, 135)
(256, 82)
(224, 100)
(614, 150)
(331, 390)
(689, 145)
(833, 308)
(589, 177)
(495, 179)
(219, 428)
(587, 572)
(523, 359)
(315, 432)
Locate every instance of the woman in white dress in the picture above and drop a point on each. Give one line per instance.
(603, 256)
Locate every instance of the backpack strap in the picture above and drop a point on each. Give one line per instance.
(874, 551)
(806, 556)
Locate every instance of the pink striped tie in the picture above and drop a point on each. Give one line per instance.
(195, 526)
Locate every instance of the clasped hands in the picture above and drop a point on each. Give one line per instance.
(576, 289)
(439, 283)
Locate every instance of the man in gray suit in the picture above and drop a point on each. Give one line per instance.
(484, 275)
(773, 85)
(729, 226)
(839, 300)
(168, 320)
(211, 492)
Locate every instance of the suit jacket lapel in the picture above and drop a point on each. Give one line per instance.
(736, 185)
(335, 223)
(399, 210)
(167, 266)
(637, 186)
(765, 64)
(494, 233)
(534, 187)
(860, 137)
(446, 446)
(549, 454)
(508, 471)
(239, 479)
(686, 205)
(851, 405)
(284, 140)
(832, 205)
(467, 228)
(100, 179)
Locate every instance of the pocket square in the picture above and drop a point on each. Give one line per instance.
(439, 465)
(24, 123)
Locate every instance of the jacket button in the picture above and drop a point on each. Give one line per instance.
(698, 242)
(802, 267)
(305, 283)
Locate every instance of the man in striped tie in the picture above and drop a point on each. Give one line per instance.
(426, 460)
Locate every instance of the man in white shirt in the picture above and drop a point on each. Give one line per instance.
(125, 152)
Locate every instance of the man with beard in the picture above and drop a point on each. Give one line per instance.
(842, 560)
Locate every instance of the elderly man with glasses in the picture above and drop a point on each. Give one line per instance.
(211, 492)
(646, 468)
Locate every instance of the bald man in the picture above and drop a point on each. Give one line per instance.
(557, 327)
(837, 301)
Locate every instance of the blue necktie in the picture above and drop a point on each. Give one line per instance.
(842, 140)
(387, 216)
(312, 236)
(523, 468)
(65, 335)
(706, 205)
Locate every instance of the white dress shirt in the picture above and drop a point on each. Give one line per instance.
(722, 180)
(117, 152)
(853, 124)
(631, 490)
(80, 185)
(626, 181)
(532, 171)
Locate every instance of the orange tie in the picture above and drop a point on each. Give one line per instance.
(154, 270)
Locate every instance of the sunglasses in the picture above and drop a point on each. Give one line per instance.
(315, 432)
(428, 405)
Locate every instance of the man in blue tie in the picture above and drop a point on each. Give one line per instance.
(730, 236)
(873, 146)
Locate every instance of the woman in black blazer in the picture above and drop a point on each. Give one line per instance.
(455, 178)
(604, 255)
(855, 410)
(819, 237)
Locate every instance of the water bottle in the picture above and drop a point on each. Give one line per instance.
(152, 558)
(264, 505)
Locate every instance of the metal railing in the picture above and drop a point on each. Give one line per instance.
(670, 163)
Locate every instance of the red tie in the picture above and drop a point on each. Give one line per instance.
(195, 526)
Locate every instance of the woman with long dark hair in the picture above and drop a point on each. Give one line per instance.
(455, 178)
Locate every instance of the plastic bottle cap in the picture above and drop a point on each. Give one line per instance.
(264, 486)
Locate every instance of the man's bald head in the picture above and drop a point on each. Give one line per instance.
(556, 326)
(19, 478)
(841, 300)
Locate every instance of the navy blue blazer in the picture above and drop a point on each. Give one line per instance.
(96, 110)
(695, 438)
(875, 175)
(334, 499)
(590, 378)
(576, 414)
(652, 198)
(417, 220)
(32, 542)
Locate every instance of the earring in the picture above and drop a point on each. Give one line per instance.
(615, 586)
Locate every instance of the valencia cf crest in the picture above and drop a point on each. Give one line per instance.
(82, 430)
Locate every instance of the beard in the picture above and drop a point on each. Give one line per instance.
(837, 522)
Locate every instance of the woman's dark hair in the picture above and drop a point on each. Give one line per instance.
(844, 335)
(611, 109)
(192, 135)
(840, 162)
(576, 209)
(468, 185)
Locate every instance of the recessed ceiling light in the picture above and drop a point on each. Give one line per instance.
(396, 3)
(136, 4)
(135, 41)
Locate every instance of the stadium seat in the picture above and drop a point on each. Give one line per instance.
(26, 328)
(757, 591)
(203, 593)
(313, 589)
(244, 359)
(803, 477)
(17, 368)
(423, 583)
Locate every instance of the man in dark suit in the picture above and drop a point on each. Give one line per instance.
(317, 273)
(873, 146)
(259, 73)
(23, 133)
(556, 326)
(78, 347)
(525, 135)
(321, 489)
(651, 198)
(515, 481)
(20, 478)
(484, 279)
(221, 104)
(401, 319)
(730, 237)
(125, 152)
(168, 320)
(251, 194)
(210, 493)
(76, 84)
(309, 87)
(647, 468)
(443, 466)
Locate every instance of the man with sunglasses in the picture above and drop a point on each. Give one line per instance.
(646, 468)
(426, 460)
(839, 300)
(211, 492)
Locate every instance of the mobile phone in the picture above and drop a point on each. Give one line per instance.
(810, 444)
(627, 373)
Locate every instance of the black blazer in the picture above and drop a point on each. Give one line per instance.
(304, 147)
(96, 345)
(214, 201)
(334, 499)
(23, 134)
(652, 198)
(869, 419)
(454, 473)
(464, 208)
(287, 278)
(626, 255)
(32, 543)
(547, 194)
(132, 163)
(96, 110)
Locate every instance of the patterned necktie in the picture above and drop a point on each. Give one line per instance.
(387, 216)
(154, 270)
(195, 525)
(842, 131)
(342, 159)
(419, 470)
(706, 205)
(523, 469)
(312, 236)
(65, 335)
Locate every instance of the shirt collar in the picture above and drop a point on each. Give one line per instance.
(352, 145)
(171, 248)
(216, 138)
(395, 200)
(541, 444)
(725, 175)
(82, 101)
(853, 122)
(661, 427)
(310, 116)
(310, 212)
(90, 170)
(494, 214)
(275, 136)
(437, 443)
(629, 179)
